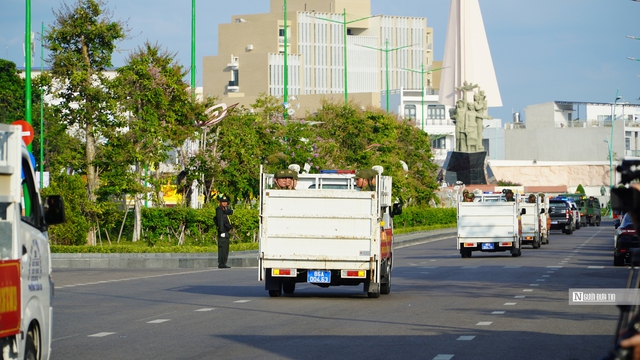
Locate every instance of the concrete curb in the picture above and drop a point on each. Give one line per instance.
(205, 260)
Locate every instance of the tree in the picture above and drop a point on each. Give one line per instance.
(11, 93)
(580, 190)
(152, 92)
(81, 42)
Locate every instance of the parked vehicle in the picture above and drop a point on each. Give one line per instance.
(26, 286)
(562, 216)
(326, 232)
(625, 239)
(489, 224)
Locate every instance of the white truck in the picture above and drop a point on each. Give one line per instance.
(489, 224)
(26, 287)
(534, 220)
(326, 232)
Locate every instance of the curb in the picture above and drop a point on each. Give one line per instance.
(205, 260)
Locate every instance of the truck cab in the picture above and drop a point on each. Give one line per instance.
(26, 286)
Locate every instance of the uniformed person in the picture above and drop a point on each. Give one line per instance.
(285, 179)
(509, 195)
(531, 199)
(364, 179)
(469, 196)
(224, 226)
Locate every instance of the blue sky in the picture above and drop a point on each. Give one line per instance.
(543, 50)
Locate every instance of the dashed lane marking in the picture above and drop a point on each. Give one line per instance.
(554, 266)
(158, 321)
(528, 289)
(595, 267)
(241, 301)
(534, 284)
(466, 337)
(444, 357)
(519, 297)
(498, 312)
(134, 278)
(101, 334)
(546, 275)
(484, 323)
(206, 309)
(509, 304)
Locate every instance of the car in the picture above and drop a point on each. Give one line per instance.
(562, 216)
(625, 239)
(576, 213)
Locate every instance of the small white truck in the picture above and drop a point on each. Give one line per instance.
(535, 229)
(26, 287)
(326, 232)
(489, 224)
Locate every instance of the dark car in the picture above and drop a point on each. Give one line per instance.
(625, 238)
(561, 216)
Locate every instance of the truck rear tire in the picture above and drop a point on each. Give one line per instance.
(536, 244)
(385, 286)
(289, 287)
(30, 352)
(465, 253)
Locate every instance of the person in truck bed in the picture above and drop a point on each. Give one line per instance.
(285, 179)
(364, 179)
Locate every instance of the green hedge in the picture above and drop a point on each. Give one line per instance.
(162, 227)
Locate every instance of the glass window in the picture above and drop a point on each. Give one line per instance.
(410, 112)
(29, 199)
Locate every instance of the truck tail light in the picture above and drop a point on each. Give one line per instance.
(469, 244)
(284, 272)
(505, 243)
(360, 274)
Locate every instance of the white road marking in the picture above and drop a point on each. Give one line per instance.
(510, 304)
(595, 267)
(546, 275)
(534, 284)
(135, 278)
(241, 301)
(555, 266)
(101, 334)
(484, 323)
(206, 309)
(512, 267)
(519, 297)
(541, 280)
(443, 357)
(498, 312)
(158, 321)
(470, 267)
(466, 338)
(528, 289)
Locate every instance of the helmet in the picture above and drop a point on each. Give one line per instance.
(223, 198)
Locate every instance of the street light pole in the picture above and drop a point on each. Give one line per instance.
(344, 23)
(613, 119)
(286, 64)
(193, 49)
(27, 64)
(387, 50)
(422, 71)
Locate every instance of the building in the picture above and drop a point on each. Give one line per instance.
(380, 52)
(574, 131)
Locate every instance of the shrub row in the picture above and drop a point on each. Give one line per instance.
(163, 227)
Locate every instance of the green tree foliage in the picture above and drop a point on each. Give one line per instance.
(73, 191)
(81, 42)
(11, 93)
(151, 90)
(580, 189)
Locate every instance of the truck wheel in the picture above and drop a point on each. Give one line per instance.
(569, 231)
(289, 287)
(385, 287)
(30, 349)
(546, 239)
(536, 244)
(578, 225)
(465, 253)
(598, 222)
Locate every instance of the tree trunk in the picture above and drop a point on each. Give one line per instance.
(137, 208)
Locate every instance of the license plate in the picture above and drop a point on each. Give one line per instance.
(487, 246)
(319, 276)
(554, 222)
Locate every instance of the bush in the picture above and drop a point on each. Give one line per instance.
(418, 217)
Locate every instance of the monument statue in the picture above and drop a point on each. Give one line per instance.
(469, 118)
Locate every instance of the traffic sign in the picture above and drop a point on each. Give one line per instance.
(27, 131)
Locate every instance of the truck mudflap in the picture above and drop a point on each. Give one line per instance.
(9, 297)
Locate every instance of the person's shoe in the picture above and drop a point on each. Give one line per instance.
(224, 267)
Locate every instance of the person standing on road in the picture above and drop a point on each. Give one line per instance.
(224, 226)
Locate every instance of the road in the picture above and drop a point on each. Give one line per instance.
(490, 306)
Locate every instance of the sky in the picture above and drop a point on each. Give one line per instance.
(542, 50)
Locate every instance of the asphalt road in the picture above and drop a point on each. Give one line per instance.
(490, 306)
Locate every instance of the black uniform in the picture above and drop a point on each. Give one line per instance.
(224, 225)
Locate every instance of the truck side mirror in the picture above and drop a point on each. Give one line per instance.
(523, 211)
(54, 210)
(542, 211)
(397, 209)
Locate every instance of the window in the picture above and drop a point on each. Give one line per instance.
(410, 112)
(439, 143)
(435, 112)
(29, 198)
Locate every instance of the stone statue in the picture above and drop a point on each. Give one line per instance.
(469, 118)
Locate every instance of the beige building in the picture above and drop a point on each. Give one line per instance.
(251, 50)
